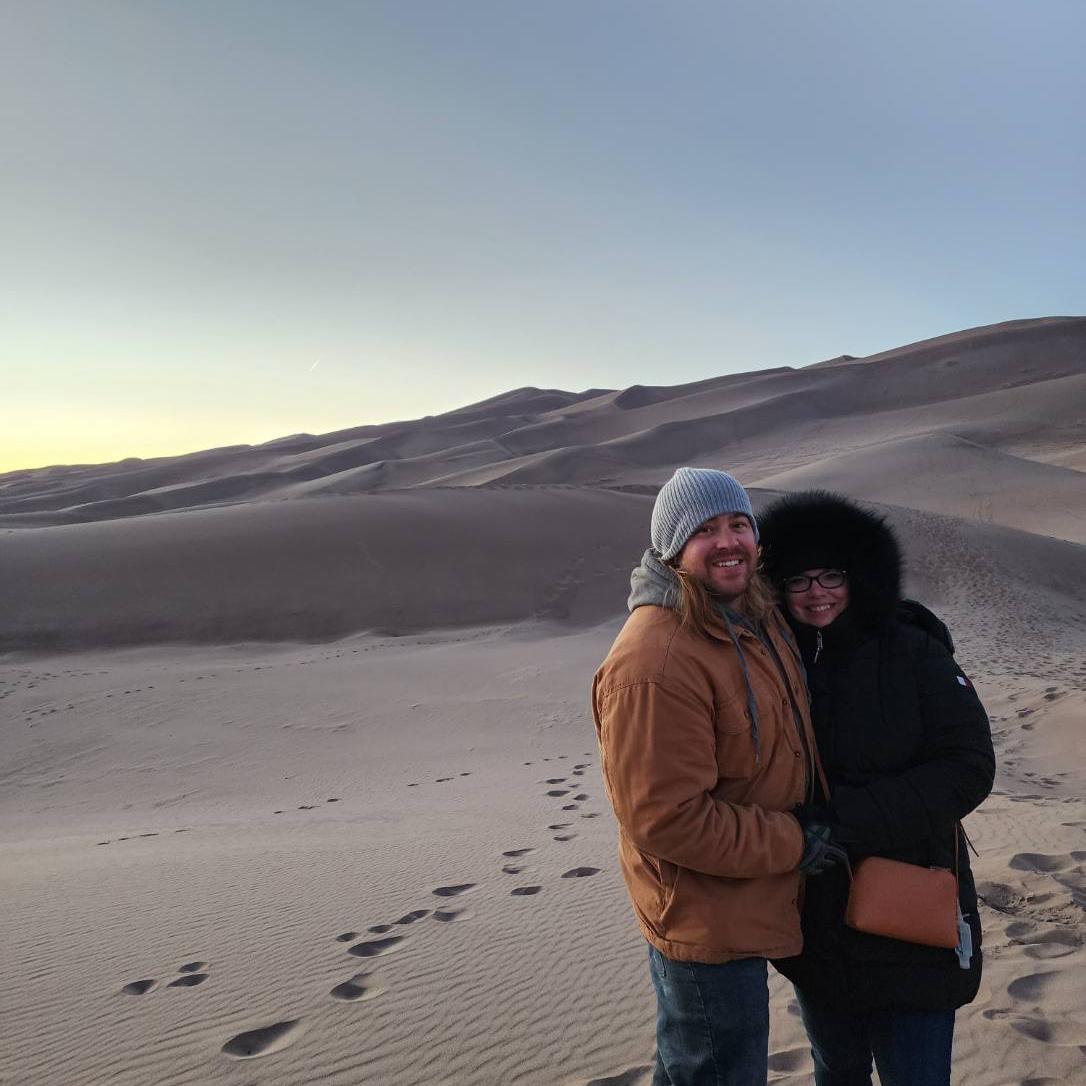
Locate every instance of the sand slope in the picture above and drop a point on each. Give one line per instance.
(946, 473)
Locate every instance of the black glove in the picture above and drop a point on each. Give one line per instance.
(820, 851)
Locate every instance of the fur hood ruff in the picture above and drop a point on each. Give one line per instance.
(817, 528)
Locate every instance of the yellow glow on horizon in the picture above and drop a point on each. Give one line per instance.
(66, 439)
(38, 437)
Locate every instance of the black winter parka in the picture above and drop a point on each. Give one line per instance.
(907, 750)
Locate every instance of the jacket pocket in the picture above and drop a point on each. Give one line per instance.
(734, 740)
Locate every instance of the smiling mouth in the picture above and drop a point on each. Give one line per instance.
(820, 607)
(727, 563)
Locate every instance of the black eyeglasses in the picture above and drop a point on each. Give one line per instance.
(828, 578)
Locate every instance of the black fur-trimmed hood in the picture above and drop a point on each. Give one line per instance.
(817, 528)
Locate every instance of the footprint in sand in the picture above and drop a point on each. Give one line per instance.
(558, 792)
(591, 814)
(1041, 863)
(453, 891)
(571, 807)
(560, 825)
(555, 780)
(513, 853)
(452, 916)
(374, 948)
(347, 936)
(140, 987)
(1046, 987)
(525, 891)
(194, 967)
(360, 988)
(411, 917)
(189, 980)
(582, 797)
(512, 869)
(1060, 1034)
(580, 872)
(379, 929)
(263, 1041)
(1047, 1007)
(1043, 943)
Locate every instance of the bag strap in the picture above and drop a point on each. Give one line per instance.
(817, 758)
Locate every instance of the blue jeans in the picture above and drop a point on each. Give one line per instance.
(712, 1022)
(910, 1048)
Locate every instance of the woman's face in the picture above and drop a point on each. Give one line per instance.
(816, 605)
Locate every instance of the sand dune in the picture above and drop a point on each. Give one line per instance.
(1012, 387)
(282, 571)
(297, 776)
(942, 472)
(434, 559)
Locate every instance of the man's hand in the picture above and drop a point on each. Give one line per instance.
(820, 851)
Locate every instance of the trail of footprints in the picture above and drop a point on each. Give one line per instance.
(1044, 1006)
(559, 788)
(190, 975)
(383, 939)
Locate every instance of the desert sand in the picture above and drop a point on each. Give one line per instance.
(298, 780)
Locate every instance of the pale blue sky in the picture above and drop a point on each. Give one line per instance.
(225, 222)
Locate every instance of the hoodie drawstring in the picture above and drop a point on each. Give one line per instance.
(752, 710)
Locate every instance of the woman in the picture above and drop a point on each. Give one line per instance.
(907, 751)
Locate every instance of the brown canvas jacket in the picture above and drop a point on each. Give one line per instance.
(707, 851)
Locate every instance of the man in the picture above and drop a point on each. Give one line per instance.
(705, 739)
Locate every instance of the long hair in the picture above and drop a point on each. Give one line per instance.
(696, 605)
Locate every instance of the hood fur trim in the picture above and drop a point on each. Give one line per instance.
(819, 528)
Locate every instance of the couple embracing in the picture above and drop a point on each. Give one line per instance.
(771, 714)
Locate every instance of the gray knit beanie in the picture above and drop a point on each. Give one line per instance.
(687, 500)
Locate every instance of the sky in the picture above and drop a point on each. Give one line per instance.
(225, 222)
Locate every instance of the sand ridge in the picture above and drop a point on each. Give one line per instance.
(602, 437)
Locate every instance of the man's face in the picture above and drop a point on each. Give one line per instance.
(722, 554)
